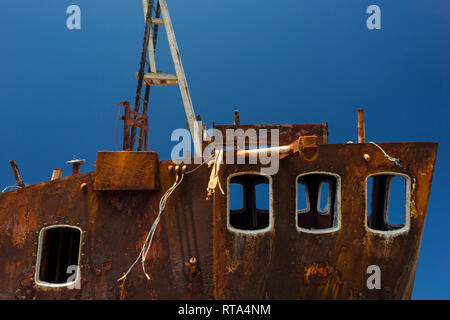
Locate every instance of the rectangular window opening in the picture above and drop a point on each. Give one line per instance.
(386, 208)
(254, 213)
(316, 201)
(59, 248)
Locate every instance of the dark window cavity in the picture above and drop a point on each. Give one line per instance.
(386, 209)
(316, 201)
(250, 209)
(59, 249)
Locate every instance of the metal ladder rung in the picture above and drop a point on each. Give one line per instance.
(161, 82)
(158, 79)
(158, 76)
(158, 21)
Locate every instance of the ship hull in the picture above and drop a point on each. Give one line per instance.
(280, 262)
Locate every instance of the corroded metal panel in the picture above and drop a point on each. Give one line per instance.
(195, 255)
(126, 170)
(287, 263)
(114, 226)
(288, 133)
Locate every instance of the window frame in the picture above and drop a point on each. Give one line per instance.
(407, 225)
(271, 216)
(39, 255)
(337, 204)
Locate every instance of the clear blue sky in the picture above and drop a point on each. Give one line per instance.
(285, 61)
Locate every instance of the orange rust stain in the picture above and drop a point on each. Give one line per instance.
(319, 272)
(20, 227)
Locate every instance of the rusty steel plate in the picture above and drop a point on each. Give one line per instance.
(126, 170)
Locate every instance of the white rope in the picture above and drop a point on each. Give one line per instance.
(148, 241)
(195, 169)
(395, 160)
(214, 177)
(10, 187)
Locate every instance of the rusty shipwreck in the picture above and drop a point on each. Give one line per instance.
(77, 237)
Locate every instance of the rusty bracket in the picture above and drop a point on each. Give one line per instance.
(133, 119)
(302, 146)
(307, 144)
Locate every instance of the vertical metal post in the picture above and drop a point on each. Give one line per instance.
(76, 165)
(361, 133)
(126, 126)
(151, 68)
(76, 168)
(188, 108)
(237, 121)
(147, 35)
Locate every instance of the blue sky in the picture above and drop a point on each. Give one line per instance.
(284, 61)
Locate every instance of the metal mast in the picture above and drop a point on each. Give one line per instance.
(155, 17)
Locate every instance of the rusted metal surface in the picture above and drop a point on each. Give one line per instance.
(126, 170)
(195, 254)
(287, 132)
(137, 101)
(131, 121)
(287, 263)
(76, 165)
(17, 174)
(361, 129)
(237, 121)
(114, 225)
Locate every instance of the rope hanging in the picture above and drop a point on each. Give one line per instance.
(148, 241)
(394, 160)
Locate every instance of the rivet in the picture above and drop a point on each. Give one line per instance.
(366, 157)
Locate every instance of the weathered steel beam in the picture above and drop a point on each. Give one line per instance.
(361, 130)
(17, 174)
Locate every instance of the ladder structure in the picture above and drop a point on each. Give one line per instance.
(156, 14)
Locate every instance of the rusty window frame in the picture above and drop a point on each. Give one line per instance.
(337, 204)
(39, 255)
(406, 226)
(271, 217)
